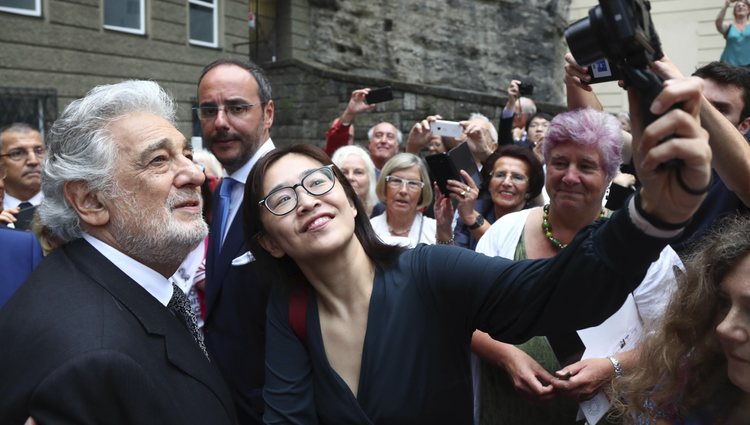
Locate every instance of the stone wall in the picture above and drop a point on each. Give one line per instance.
(308, 97)
(477, 45)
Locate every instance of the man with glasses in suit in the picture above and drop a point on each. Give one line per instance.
(236, 113)
(21, 153)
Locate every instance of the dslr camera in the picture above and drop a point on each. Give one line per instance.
(618, 37)
(619, 32)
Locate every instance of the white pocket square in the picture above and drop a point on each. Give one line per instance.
(243, 259)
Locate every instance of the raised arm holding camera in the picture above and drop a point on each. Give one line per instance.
(514, 116)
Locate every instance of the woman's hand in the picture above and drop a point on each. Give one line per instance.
(529, 378)
(419, 135)
(443, 215)
(586, 377)
(9, 216)
(465, 193)
(662, 196)
(575, 74)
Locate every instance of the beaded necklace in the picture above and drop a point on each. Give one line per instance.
(547, 229)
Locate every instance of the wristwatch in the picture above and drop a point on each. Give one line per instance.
(477, 224)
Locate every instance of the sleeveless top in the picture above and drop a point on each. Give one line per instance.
(737, 49)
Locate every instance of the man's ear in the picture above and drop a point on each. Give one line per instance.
(268, 115)
(86, 202)
(267, 243)
(744, 126)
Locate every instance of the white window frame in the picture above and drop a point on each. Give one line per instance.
(36, 12)
(142, 21)
(215, 7)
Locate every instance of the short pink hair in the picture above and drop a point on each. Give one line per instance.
(587, 128)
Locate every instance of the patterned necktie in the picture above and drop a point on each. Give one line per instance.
(180, 307)
(222, 211)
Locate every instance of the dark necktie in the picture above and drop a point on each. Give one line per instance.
(180, 307)
(25, 214)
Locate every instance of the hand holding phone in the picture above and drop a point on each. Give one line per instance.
(378, 95)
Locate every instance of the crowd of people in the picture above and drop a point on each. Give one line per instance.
(565, 276)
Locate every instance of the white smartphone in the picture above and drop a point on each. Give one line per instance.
(446, 128)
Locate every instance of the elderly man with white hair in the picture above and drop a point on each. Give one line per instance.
(99, 334)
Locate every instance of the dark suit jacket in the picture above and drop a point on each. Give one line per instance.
(20, 253)
(85, 344)
(235, 329)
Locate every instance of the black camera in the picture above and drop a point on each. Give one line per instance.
(526, 89)
(622, 33)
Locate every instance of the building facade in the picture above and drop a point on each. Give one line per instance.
(54, 51)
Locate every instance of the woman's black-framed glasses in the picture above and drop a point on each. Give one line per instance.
(283, 200)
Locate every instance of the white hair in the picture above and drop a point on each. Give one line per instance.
(399, 135)
(479, 116)
(80, 147)
(353, 150)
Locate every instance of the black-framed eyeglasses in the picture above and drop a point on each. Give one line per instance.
(283, 200)
(232, 110)
(397, 182)
(20, 154)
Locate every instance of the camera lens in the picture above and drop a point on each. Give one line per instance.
(584, 39)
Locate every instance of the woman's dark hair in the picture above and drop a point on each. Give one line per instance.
(380, 253)
(522, 153)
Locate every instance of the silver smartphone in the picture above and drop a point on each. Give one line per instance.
(446, 128)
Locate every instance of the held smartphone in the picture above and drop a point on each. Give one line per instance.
(444, 166)
(378, 95)
(446, 128)
(441, 169)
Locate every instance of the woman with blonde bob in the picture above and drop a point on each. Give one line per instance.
(404, 187)
(695, 369)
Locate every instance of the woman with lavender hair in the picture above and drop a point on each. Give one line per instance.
(582, 151)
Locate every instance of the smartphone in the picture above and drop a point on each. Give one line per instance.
(378, 95)
(441, 169)
(446, 128)
(525, 89)
(602, 71)
(444, 166)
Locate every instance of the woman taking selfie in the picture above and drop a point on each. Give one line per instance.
(363, 332)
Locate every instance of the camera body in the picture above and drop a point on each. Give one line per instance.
(525, 89)
(620, 31)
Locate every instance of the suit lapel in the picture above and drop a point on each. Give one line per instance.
(181, 350)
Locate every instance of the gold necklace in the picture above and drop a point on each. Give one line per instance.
(547, 228)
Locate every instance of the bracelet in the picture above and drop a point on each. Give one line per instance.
(448, 242)
(616, 365)
(690, 190)
(653, 220)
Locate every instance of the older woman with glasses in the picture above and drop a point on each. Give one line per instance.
(512, 176)
(403, 188)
